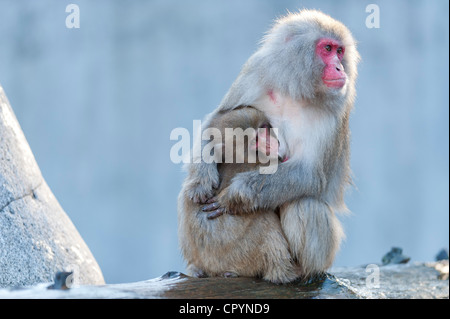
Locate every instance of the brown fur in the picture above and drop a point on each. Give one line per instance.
(250, 244)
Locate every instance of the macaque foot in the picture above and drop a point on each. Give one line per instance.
(230, 274)
(280, 274)
(199, 274)
(196, 272)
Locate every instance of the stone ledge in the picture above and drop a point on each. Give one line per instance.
(403, 281)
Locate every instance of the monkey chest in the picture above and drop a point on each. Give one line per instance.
(304, 130)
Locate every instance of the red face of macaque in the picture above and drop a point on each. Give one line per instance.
(331, 52)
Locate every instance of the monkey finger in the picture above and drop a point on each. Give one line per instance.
(211, 200)
(210, 207)
(198, 199)
(202, 199)
(216, 213)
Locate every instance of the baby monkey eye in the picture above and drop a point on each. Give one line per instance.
(328, 47)
(339, 50)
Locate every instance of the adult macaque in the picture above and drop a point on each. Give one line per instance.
(303, 79)
(247, 245)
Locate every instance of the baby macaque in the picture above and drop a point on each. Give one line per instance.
(250, 244)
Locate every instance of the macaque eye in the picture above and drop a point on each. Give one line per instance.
(328, 47)
(339, 50)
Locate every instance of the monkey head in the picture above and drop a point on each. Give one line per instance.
(307, 55)
(252, 145)
(265, 142)
(247, 137)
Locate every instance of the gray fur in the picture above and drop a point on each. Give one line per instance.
(308, 193)
(232, 245)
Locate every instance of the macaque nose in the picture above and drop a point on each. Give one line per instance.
(339, 67)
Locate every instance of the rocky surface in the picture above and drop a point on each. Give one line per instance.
(416, 280)
(37, 238)
(395, 256)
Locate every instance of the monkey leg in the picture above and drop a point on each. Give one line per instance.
(260, 248)
(279, 266)
(230, 246)
(313, 232)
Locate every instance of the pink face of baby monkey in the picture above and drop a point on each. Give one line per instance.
(332, 52)
(265, 143)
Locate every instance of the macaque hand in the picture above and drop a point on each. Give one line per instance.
(213, 209)
(236, 199)
(202, 186)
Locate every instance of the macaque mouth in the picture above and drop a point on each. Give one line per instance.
(335, 83)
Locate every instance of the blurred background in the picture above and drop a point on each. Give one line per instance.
(97, 105)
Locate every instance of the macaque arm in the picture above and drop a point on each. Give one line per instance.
(202, 182)
(250, 191)
(203, 177)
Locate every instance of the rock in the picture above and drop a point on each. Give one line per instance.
(395, 256)
(442, 255)
(416, 280)
(37, 238)
(63, 280)
(442, 267)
